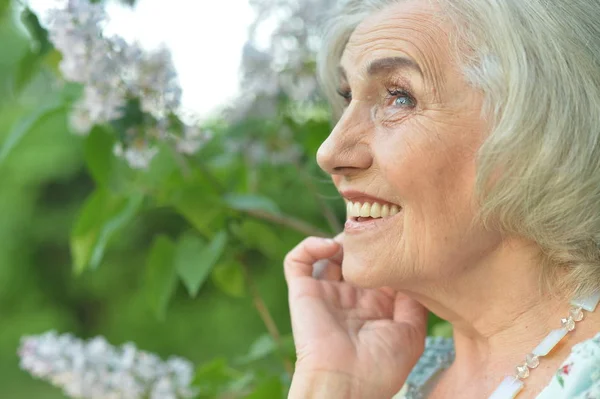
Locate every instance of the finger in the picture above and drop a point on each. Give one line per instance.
(413, 314)
(326, 269)
(339, 238)
(410, 311)
(339, 256)
(299, 261)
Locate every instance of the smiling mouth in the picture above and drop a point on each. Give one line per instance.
(367, 211)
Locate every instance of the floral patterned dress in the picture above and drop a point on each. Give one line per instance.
(577, 378)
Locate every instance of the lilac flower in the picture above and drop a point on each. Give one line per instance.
(137, 158)
(193, 139)
(95, 369)
(113, 72)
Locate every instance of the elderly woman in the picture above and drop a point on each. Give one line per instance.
(467, 149)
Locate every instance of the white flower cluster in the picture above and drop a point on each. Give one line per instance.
(95, 369)
(266, 151)
(114, 72)
(283, 62)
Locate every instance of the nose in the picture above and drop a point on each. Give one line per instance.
(347, 150)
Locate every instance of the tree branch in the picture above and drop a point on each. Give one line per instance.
(265, 315)
(288, 221)
(334, 224)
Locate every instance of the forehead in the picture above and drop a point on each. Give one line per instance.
(414, 28)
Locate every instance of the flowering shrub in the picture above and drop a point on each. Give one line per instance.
(122, 84)
(222, 179)
(209, 207)
(95, 369)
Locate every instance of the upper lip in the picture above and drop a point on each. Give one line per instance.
(358, 196)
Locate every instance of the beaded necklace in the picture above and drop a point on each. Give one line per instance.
(513, 384)
(510, 387)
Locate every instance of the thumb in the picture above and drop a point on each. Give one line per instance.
(299, 261)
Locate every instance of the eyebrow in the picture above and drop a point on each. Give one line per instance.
(389, 64)
(382, 65)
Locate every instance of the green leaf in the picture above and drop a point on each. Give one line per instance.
(38, 33)
(269, 389)
(244, 202)
(195, 260)
(214, 378)
(189, 264)
(196, 201)
(132, 115)
(229, 278)
(161, 277)
(261, 348)
(199, 217)
(29, 64)
(560, 379)
(241, 385)
(26, 125)
(259, 236)
(102, 216)
(107, 170)
(99, 155)
(163, 168)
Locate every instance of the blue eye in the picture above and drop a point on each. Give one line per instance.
(402, 99)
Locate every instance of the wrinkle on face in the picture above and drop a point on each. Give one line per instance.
(421, 157)
(404, 33)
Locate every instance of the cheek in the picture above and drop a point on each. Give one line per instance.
(410, 160)
(337, 179)
(428, 167)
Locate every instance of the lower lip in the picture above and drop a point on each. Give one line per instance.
(353, 226)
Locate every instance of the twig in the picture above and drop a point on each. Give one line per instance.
(265, 315)
(284, 220)
(334, 223)
(288, 221)
(181, 162)
(211, 178)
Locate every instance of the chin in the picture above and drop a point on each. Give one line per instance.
(363, 273)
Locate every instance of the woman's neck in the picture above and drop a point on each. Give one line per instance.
(499, 315)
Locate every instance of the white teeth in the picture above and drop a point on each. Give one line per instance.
(356, 209)
(374, 210)
(385, 211)
(365, 210)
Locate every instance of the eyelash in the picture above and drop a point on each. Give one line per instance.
(397, 93)
(345, 94)
(393, 93)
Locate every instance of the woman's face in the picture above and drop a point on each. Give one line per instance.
(408, 137)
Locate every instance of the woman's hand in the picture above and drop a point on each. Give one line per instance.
(351, 342)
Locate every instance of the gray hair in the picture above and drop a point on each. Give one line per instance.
(538, 64)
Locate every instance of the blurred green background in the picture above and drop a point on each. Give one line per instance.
(268, 195)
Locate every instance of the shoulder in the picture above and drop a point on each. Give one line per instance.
(579, 375)
(438, 354)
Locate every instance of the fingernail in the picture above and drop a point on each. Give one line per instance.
(329, 241)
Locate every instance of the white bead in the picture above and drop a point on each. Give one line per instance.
(576, 314)
(512, 385)
(522, 371)
(508, 388)
(532, 361)
(550, 342)
(567, 323)
(588, 303)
